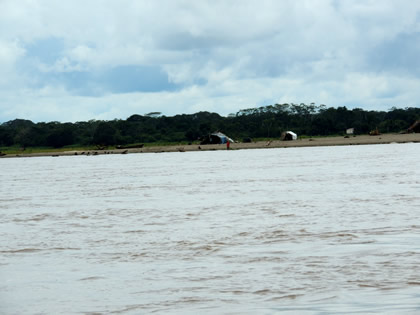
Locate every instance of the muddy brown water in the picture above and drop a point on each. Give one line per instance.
(293, 231)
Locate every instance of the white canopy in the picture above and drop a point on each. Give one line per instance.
(294, 136)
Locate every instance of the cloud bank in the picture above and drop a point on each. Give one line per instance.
(82, 60)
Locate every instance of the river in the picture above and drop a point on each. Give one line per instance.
(320, 230)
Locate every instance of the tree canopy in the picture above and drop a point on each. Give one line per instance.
(262, 122)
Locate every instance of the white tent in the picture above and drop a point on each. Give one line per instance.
(216, 138)
(223, 138)
(350, 131)
(289, 135)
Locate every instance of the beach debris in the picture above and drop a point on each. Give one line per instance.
(414, 127)
(131, 146)
(349, 131)
(181, 149)
(268, 143)
(374, 132)
(124, 152)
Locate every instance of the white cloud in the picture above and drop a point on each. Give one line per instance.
(222, 55)
(10, 53)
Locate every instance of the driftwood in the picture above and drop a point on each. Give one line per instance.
(131, 146)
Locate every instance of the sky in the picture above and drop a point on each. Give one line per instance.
(79, 60)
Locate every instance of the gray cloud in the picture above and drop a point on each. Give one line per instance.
(399, 55)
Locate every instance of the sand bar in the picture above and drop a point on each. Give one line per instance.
(307, 142)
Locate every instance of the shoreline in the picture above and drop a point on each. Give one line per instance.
(307, 142)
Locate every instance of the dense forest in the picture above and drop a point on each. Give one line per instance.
(263, 122)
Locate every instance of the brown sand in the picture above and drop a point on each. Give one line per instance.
(308, 142)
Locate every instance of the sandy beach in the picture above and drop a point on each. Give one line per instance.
(307, 142)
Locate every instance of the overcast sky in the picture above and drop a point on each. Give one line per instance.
(98, 59)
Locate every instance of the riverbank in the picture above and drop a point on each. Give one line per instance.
(307, 142)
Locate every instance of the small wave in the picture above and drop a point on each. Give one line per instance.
(272, 235)
(236, 292)
(35, 218)
(208, 278)
(266, 259)
(244, 234)
(324, 299)
(206, 249)
(129, 308)
(263, 292)
(413, 282)
(287, 296)
(14, 199)
(92, 278)
(337, 235)
(23, 250)
(366, 285)
(135, 231)
(34, 250)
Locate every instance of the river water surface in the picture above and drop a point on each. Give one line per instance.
(293, 231)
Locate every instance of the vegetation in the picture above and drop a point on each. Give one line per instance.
(263, 122)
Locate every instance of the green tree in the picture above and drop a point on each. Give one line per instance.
(6, 137)
(105, 134)
(61, 136)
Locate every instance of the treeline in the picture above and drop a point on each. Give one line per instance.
(263, 122)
